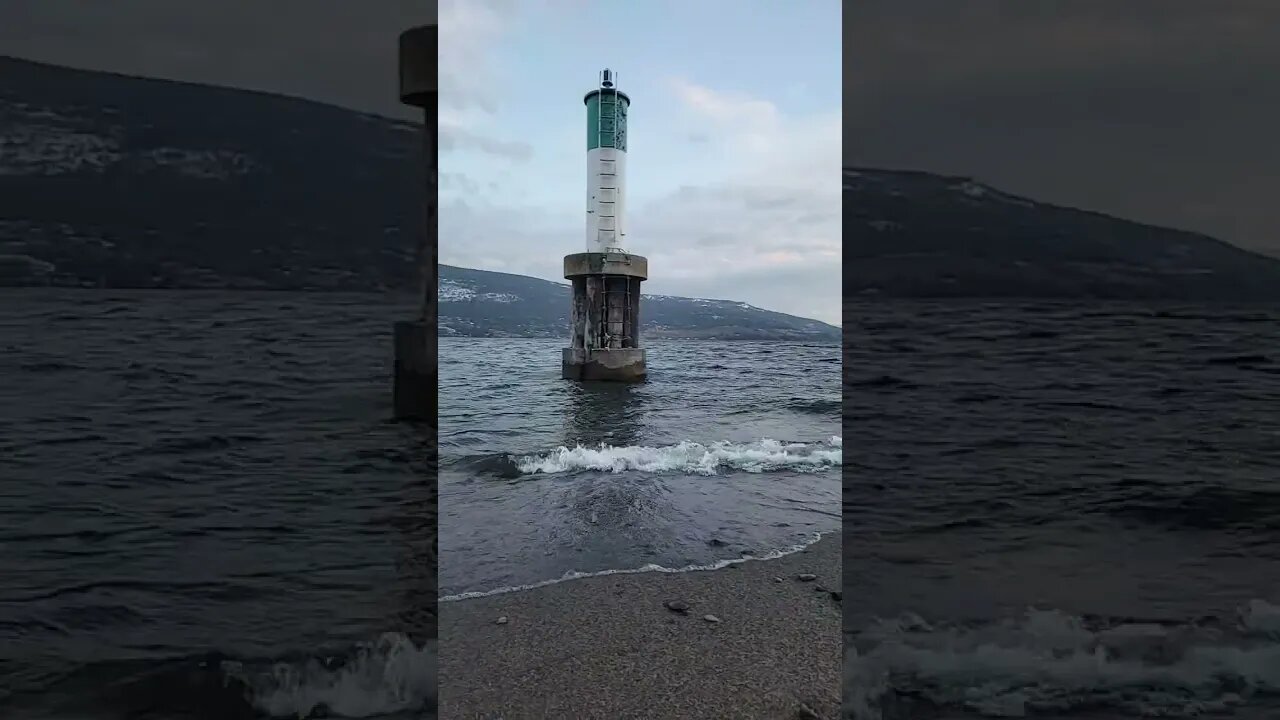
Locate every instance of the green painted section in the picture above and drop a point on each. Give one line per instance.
(607, 120)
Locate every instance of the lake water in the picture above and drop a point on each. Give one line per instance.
(205, 512)
(1049, 509)
(1061, 510)
(730, 450)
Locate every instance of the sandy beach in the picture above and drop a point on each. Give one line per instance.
(608, 647)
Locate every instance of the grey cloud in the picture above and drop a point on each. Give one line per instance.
(715, 239)
(1160, 111)
(459, 139)
(460, 182)
(463, 77)
(756, 197)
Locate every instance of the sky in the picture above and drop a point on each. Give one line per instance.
(734, 133)
(1162, 111)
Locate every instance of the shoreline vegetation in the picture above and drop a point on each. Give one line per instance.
(758, 639)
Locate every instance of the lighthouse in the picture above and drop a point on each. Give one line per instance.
(605, 309)
(415, 388)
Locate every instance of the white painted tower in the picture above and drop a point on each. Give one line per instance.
(606, 166)
(605, 313)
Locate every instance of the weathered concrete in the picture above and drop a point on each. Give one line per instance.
(610, 365)
(415, 391)
(591, 263)
(604, 317)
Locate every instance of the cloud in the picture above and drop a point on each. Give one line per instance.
(453, 137)
(773, 218)
(461, 182)
(469, 29)
(732, 110)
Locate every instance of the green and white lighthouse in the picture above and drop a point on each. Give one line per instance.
(605, 312)
(606, 166)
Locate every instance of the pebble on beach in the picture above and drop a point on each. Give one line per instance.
(807, 713)
(777, 579)
(502, 620)
(677, 606)
(711, 618)
(806, 577)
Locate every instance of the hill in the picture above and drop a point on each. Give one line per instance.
(492, 304)
(916, 234)
(115, 181)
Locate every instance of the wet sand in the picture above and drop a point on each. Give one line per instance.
(606, 647)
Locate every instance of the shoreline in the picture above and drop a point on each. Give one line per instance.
(605, 646)
(658, 569)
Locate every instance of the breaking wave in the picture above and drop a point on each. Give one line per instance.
(688, 457)
(389, 678)
(1050, 662)
(392, 675)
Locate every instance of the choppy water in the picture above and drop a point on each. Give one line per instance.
(204, 511)
(730, 449)
(1062, 511)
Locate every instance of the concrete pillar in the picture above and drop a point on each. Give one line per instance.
(415, 392)
(605, 317)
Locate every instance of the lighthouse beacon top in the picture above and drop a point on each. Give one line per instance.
(606, 165)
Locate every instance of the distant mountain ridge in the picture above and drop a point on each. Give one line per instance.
(917, 234)
(116, 181)
(493, 304)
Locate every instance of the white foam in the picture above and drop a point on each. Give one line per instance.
(1049, 661)
(388, 676)
(1262, 618)
(688, 457)
(575, 575)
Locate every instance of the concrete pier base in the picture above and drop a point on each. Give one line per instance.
(416, 393)
(605, 317)
(609, 365)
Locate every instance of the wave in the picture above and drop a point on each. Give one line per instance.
(392, 675)
(1214, 507)
(802, 406)
(821, 406)
(1047, 661)
(575, 575)
(687, 457)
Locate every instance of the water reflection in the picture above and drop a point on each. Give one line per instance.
(605, 508)
(416, 520)
(609, 413)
